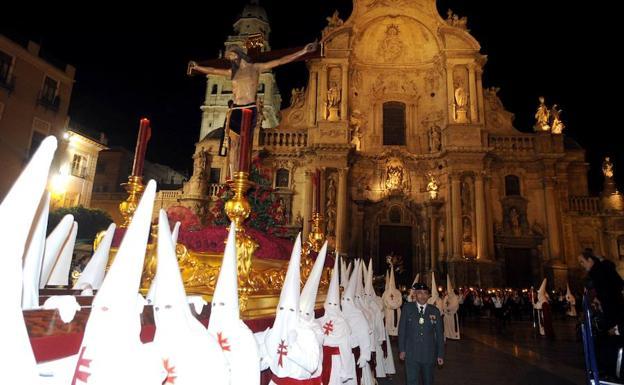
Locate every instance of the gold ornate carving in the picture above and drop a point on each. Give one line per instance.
(432, 186)
(134, 187)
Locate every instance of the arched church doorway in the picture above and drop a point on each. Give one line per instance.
(396, 240)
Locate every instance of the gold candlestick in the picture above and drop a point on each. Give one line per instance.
(134, 187)
(238, 209)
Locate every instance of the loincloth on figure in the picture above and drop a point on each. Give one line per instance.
(233, 125)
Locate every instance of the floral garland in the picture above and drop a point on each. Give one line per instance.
(265, 208)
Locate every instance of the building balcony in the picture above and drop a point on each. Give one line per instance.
(52, 104)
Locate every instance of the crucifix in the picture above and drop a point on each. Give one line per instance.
(244, 73)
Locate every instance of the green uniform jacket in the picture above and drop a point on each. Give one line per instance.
(422, 342)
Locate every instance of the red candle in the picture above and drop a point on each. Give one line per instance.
(246, 138)
(145, 132)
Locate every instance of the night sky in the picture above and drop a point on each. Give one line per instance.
(132, 63)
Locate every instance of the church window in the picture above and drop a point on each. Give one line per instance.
(512, 185)
(215, 89)
(394, 124)
(215, 175)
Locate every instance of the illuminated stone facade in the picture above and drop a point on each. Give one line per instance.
(394, 109)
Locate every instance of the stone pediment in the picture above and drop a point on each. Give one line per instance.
(395, 40)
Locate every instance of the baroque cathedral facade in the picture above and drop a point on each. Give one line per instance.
(417, 159)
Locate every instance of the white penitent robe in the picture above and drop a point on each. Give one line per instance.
(451, 320)
(296, 357)
(360, 338)
(392, 306)
(336, 334)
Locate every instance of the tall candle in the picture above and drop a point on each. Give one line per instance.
(246, 139)
(145, 132)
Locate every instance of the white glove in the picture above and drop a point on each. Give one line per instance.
(362, 361)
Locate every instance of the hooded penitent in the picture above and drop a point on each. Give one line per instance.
(542, 296)
(289, 350)
(435, 295)
(233, 335)
(186, 350)
(111, 350)
(54, 248)
(451, 305)
(34, 256)
(392, 301)
(410, 298)
(60, 273)
(379, 329)
(310, 289)
(149, 297)
(92, 276)
(17, 212)
(338, 362)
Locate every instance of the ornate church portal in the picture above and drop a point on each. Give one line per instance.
(416, 159)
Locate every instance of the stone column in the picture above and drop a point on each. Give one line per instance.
(322, 94)
(554, 237)
(312, 97)
(457, 217)
(473, 94)
(432, 212)
(450, 93)
(341, 212)
(481, 219)
(480, 102)
(448, 228)
(308, 197)
(344, 96)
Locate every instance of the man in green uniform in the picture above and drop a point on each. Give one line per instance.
(421, 337)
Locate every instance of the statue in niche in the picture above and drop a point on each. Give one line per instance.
(466, 196)
(391, 47)
(542, 116)
(394, 179)
(333, 95)
(467, 235)
(435, 138)
(297, 97)
(431, 80)
(432, 186)
(607, 168)
(461, 101)
(556, 124)
(299, 219)
(356, 121)
(280, 215)
(514, 221)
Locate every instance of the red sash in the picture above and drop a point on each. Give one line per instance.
(293, 381)
(328, 352)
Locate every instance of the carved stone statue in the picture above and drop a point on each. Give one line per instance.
(297, 97)
(607, 168)
(454, 20)
(461, 102)
(542, 116)
(557, 125)
(432, 186)
(333, 22)
(514, 221)
(435, 138)
(391, 47)
(333, 94)
(356, 121)
(394, 179)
